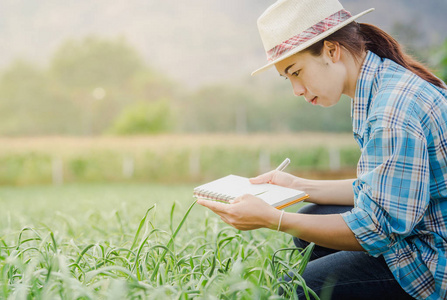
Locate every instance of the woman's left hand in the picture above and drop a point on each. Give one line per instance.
(246, 212)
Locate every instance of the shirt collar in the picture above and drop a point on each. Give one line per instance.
(364, 91)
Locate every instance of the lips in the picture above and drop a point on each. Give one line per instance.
(313, 100)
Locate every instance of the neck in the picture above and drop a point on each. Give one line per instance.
(353, 67)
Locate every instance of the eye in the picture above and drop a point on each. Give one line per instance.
(295, 74)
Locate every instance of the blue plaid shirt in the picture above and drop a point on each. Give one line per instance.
(400, 210)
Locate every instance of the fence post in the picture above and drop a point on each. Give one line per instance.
(57, 171)
(334, 159)
(264, 161)
(194, 163)
(241, 119)
(128, 166)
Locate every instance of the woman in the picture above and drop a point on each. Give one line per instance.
(382, 235)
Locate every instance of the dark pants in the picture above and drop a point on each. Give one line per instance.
(346, 275)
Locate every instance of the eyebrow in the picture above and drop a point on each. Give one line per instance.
(287, 69)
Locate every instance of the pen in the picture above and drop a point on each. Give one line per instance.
(283, 165)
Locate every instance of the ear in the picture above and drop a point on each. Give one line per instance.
(332, 50)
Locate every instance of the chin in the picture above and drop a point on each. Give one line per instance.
(330, 103)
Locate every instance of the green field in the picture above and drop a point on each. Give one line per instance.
(132, 241)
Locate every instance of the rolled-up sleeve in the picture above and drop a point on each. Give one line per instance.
(391, 191)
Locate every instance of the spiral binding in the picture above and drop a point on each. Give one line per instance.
(208, 195)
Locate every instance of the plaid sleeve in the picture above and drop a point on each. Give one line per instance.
(392, 189)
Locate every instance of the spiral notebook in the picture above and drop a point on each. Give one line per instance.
(232, 186)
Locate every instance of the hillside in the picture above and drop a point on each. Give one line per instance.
(195, 41)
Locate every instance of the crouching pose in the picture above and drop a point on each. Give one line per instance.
(382, 235)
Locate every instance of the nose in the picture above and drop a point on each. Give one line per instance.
(298, 88)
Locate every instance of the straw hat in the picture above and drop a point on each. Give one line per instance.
(289, 26)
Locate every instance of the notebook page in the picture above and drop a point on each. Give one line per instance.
(235, 186)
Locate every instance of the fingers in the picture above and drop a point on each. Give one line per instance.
(263, 178)
(235, 200)
(246, 212)
(217, 207)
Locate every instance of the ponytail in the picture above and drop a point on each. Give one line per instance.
(358, 37)
(385, 46)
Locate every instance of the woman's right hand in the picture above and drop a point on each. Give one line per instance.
(325, 192)
(280, 178)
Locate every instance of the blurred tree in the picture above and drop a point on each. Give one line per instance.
(149, 84)
(143, 118)
(87, 85)
(102, 77)
(95, 85)
(29, 104)
(269, 107)
(81, 67)
(216, 108)
(93, 62)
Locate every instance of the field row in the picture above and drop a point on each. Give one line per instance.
(169, 159)
(64, 145)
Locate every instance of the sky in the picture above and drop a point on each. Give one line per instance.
(195, 42)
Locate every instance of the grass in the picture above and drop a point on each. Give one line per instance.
(134, 241)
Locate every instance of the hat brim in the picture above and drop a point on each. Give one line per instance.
(311, 42)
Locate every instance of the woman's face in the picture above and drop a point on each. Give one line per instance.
(320, 79)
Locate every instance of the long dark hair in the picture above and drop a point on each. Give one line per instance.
(358, 37)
